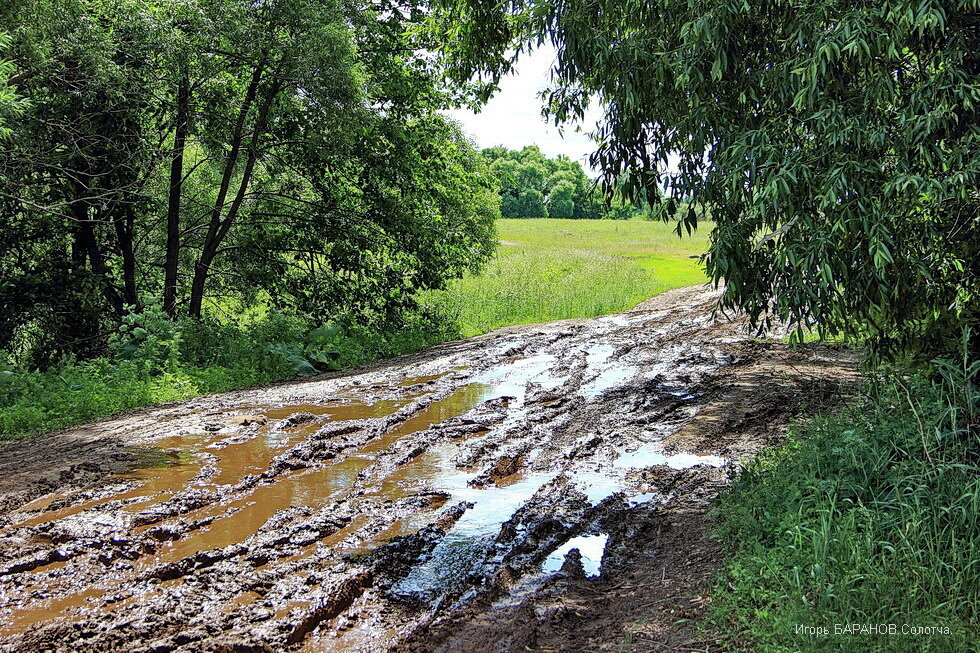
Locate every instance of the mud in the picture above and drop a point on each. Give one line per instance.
(539, 487)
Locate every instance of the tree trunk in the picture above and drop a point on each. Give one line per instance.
(172, 260)
(218, 228)
(89, 242)
(202, 265)
(124, 234)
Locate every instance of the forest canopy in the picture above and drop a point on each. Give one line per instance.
(533, 185)
(195, 154)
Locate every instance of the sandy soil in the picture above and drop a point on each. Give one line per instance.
(537, 488)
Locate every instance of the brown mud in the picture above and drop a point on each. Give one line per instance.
(540, 487)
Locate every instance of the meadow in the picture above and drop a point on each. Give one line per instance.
(547, 269)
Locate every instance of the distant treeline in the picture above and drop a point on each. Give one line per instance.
(535, 186)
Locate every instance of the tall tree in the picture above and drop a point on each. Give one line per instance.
(290, 152)
(835, 145)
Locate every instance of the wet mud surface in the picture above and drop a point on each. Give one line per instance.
(540, 488)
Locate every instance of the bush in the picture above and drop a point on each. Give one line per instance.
(156, 360)
(867, 517)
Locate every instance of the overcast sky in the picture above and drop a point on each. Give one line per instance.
(513, 117)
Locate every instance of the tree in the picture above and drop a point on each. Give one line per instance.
(535, 186)
(560, 200)
(835, 145)
(289, 152)
(529, 203)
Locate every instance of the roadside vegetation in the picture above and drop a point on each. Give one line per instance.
(166, 361)
(870, 516)
(189, 204)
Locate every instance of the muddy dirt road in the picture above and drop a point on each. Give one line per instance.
(540, 487)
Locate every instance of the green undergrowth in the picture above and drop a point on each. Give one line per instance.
(156, 361)
(863, 527)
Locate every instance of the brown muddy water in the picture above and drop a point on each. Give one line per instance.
(354, 513)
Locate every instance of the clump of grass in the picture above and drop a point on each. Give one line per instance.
(868, 517)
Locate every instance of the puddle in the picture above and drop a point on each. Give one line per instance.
(603, 373)
(239, 517)
(645, 497)
(317, 486)
(598, 485)
(254, 455)
(602, 482)
(651, 454)
(19, 621)
(617, 320)
(511, 380)
(461, 401)
(152, 483)
(337, 411)
(462, 549)
(590, 546)
(310, 487)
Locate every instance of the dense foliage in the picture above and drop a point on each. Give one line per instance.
(836, 145)
(535, 186)
(10, 104)
(869, 517)
(226, 155)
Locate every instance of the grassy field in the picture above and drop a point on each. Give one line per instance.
(556, 269)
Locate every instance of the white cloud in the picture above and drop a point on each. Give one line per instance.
(512, 118)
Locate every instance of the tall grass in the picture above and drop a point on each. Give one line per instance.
(868, 517)
(524, 285)
(557, 269)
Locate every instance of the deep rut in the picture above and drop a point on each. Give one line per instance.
(434, 502)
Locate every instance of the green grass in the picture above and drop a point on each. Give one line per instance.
(201, 359)
(548, 269)
(871, 516)
(77, 393)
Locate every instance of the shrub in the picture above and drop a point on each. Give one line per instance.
(154, 360)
